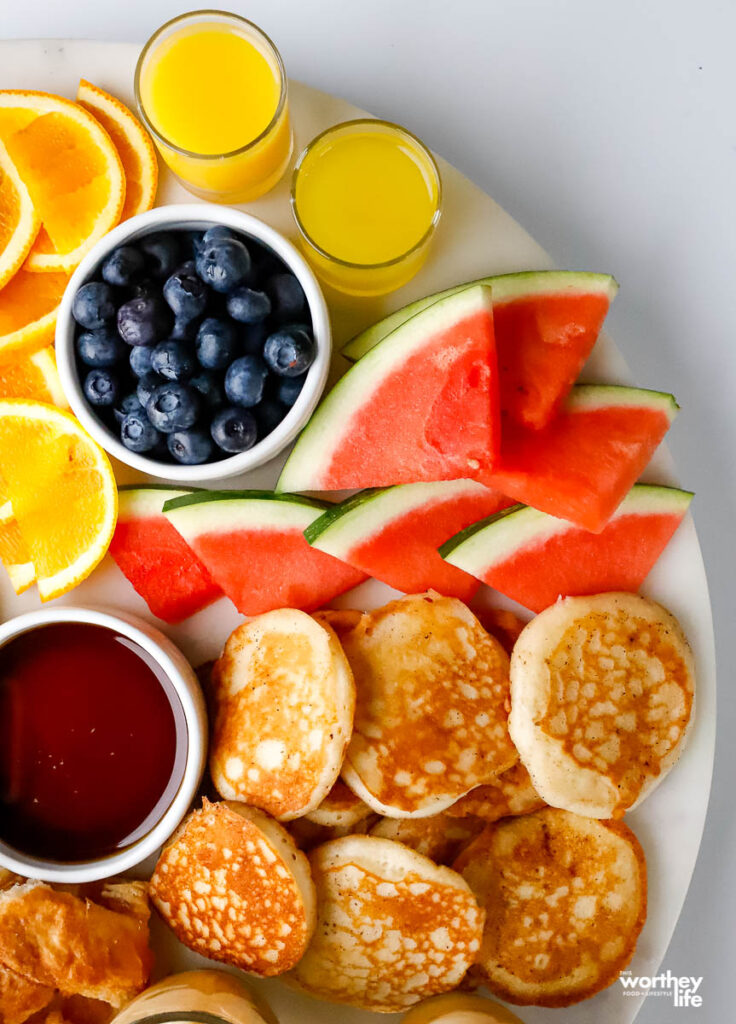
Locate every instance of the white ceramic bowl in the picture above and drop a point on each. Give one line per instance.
(181, 676)
(196, 216)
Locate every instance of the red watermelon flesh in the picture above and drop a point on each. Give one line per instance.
(534, 558)
(583, 464)
(253, 545)
(153, 556)
(393, 534)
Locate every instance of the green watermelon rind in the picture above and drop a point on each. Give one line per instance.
(366, 513)
(227, 511)
(491, 541)
(504, 288)
(315, 445)
(603, 396)
(140, 501)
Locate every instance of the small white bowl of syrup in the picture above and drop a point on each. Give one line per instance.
(103, 734)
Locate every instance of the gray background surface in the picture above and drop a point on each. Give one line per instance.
(609, 131)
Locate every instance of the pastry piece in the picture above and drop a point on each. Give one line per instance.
(460, 1008)
(392, 927)
(285, 698)
(21, 997)
(432, 706)
(565, 899)
(233, 886)
(602, 695)
(512, 793)
(441, 838)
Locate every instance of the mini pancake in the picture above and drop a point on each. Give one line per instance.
(602, 695)
(285, 698)
(341, 808)
(441, 838)
(392, 926)
(512, 793)
(565, 900)
(233, 886)
(342, 620)
(432, 706)
(460, 1008)
(506, 626)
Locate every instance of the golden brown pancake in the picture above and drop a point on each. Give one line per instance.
(506, 626)
(285, 699)
(602, 695)
(342, 620)
(460, 1008)
(341, 808)
(565, 900)
(432, 706)
(232, 885)
(440, 837)
(392, 926)
(510, 794)
(20, 997)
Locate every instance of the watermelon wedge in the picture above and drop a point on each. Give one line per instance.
(152, 555)
(534, 558)
(546, 323)
(585, 462)
(253, 545)
(393, 533)
(421, 406)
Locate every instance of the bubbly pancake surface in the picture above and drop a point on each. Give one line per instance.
(432, 706)
(565, 900)
(284, 698)
(512, 793)
(393, 927)
(439, 837)
(602, 698)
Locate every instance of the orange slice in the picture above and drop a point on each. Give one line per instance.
(19, 222)
(72, 172)
(33, 376)
(62, 490)
(28, 307)
(13, 552)
(132, 142)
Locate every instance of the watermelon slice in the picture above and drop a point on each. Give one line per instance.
(546, 323)
(161, 566)
(253, 545)
(535, 558)
(393, 533)
(584, 463)
(422, 406)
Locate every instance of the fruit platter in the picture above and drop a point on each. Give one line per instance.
(356, 655)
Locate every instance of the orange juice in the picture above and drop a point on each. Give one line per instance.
(366, 197)
(212, 89)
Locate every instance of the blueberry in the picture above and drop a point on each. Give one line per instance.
(254, 338)
(287, 296)
(102, 347)
(186, 294)
(147, 287)
(127, 405)
(290, 352)
(163, 253)
(217, 343)
(193, 240)
(100, 387)
(184, 330)
(173, 407)
(147, 384)
(173, 360)
(140, 360)
(144, 320)
(190, 447)
(245, 379)
(269, 413)
(234, 430)
(289, 389)
(93, 305)
(223, 264)
(217, 231)
(248, 306)
(209, 387)
(123, 266)
(137, 433)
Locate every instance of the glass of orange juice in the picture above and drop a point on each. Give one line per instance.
(211, 89)
(366, 196)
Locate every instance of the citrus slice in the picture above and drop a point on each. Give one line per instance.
(132, 142)
(72, 172)
(28, 307)
(14, 554)
(33, 376)
(19, 222)
(62, 490)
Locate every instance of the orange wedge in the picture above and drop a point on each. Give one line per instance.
(19, 222)
(132, 142)
(33, 376)
(28, 307)
(62, 491)
(14, 554)
(71, 169)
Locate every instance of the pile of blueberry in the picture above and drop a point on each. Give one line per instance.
(194, 345)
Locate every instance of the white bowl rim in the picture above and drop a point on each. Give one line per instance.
(189, 215)
(184, 683)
